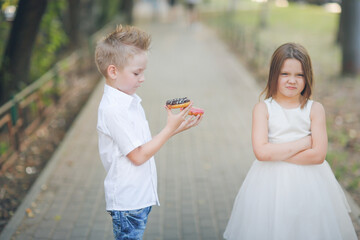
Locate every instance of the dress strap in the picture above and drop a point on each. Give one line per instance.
(307, 107)
(268, 104)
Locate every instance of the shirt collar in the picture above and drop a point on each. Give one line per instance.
(121, 97)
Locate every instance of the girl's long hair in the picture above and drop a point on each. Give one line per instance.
(286, 51)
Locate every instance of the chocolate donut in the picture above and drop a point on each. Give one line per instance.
(178, 102)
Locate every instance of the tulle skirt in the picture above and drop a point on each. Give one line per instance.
(283, 201)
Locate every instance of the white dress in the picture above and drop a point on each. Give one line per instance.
(284, 201)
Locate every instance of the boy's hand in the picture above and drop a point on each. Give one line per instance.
(177, 123)
(175, 120)
(189, 123)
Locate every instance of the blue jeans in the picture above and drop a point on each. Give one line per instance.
(129, 225)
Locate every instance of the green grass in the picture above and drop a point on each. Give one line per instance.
(304, 19)
(4, 147)
(309, 25)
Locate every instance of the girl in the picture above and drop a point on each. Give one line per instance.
(290, 191)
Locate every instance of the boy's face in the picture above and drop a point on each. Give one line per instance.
(131, 76)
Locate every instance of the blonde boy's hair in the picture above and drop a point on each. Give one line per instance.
(120, 46)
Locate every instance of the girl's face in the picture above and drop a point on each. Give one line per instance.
(291, 81)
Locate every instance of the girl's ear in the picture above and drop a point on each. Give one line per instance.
(111, 71)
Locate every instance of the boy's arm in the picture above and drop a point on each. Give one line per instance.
(265, 151)
(175, 123)
(317, 153)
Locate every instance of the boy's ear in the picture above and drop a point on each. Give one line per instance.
(111, 71)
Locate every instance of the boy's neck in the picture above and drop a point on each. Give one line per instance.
(107, 82)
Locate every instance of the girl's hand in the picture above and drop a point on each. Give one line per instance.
(307, 141)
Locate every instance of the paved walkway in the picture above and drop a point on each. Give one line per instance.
(199, 171)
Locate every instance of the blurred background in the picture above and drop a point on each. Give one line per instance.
(330, 31)
(47, 69)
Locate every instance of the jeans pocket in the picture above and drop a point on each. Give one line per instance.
(129, 224)
(138, 218)
(136, 213)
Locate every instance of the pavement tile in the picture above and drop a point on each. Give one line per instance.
(60, 235)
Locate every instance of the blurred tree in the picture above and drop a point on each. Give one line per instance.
(350, 39)
(109, 9)
(104, 13)
(88, 25)
(339, 33)
(74, 22)
(37, 36)
(15, 64)
(264, 14)
(232, 5)
(126, 8)
(51, 40)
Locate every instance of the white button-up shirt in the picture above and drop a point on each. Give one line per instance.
(122, 127)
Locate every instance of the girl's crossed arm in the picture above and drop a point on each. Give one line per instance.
(317, 153)
(265, 151)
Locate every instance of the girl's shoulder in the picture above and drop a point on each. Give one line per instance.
(260, 108)
(316, 106)
(317, 110)
(260, 105)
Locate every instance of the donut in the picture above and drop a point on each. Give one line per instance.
(196, 111)
(178, 103)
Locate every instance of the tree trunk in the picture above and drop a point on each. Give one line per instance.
(15, 65)
(104, 16)
(340, 31)
(351, 37)
(264, 14)
(232, 5)
(74, 23)
(126, 8)
(89, 8)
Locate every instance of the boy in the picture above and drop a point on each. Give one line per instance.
(125, 144)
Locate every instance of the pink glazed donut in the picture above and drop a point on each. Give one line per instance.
(196, 111)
